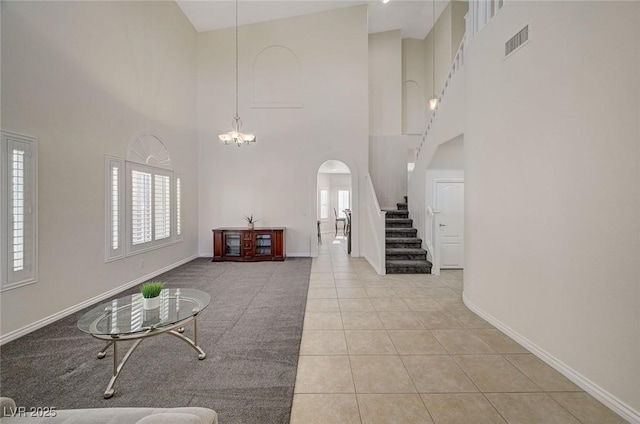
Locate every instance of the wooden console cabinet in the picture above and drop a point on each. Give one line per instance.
(244, 245)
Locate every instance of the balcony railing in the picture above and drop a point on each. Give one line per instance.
(480, 12)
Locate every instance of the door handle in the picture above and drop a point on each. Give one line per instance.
(442, 225)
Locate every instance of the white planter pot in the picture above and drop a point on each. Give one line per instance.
(151, 303)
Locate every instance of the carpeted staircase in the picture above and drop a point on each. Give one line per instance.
(403, 247)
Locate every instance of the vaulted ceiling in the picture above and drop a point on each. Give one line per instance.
(413, 17)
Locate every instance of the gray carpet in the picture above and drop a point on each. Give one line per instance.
(251, 333)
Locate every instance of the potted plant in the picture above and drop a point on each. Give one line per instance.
(250, 221)
(151, 294)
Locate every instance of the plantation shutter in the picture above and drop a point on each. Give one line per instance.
(20, 175)
(162, 207)
(141, 207)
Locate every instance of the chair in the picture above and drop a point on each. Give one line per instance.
(343, 220)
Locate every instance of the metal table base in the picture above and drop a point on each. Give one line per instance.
(112, 340)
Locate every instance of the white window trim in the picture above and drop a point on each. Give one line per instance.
(153, 244)
(32, 180)
(126, 247)
(113, 254)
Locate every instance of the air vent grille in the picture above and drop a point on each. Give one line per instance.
(516, 41)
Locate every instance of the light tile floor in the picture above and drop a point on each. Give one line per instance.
(404, 349)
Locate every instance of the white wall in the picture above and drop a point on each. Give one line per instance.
(276, 179)
(388, 167)
(414, 81)
(443, 47)
(458, 24)
(385, 83)
(82, 77)
(552, 189)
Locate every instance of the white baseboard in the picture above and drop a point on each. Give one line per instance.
(611, 401)
(73, 309)
(373, 265)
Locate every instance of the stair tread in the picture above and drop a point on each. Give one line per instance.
(407, 262)
(405, 250)
(399, 239)
(400, 230)
(398, 219)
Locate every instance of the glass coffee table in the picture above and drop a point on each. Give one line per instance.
(126, 319)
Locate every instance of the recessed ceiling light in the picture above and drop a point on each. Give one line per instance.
(385, 1)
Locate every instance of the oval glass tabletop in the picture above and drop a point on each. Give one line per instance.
(127, 314)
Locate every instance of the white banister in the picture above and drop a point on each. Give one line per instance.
(458, 62)
(430, 234)
(480, 12)
(374, 250)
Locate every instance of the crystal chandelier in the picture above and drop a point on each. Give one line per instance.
(235, 136)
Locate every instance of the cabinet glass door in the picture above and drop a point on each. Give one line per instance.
(263, 244)
(232, 244)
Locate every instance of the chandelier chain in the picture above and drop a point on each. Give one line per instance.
(237, 80)
(433, 61)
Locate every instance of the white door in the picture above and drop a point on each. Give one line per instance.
(449, 203)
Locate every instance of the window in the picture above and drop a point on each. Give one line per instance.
(324, 203)
(343, 202)
(141, 223)
(179, 207)
(143, 203)
(149, 204)
(162, 207)
(114, 201)
(19, 210)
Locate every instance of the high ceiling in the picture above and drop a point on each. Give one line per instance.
(413, 17)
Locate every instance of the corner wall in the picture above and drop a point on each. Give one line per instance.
(83, 77)
(552, 203)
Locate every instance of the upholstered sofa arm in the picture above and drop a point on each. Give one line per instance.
(191, 415)
(172, 418)
(187, 415)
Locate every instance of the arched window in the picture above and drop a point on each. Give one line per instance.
(144, 207)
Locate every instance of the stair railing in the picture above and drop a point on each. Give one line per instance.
(480, 12)
(375, 253)
(458, 62)
(431, 242)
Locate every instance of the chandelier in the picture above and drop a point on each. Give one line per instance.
(235, 136)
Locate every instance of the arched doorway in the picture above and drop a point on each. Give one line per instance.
(334, 194)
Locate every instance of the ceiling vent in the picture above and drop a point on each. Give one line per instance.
(517, 41)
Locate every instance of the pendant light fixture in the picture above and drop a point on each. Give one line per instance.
(433, 101)
(235, 136)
